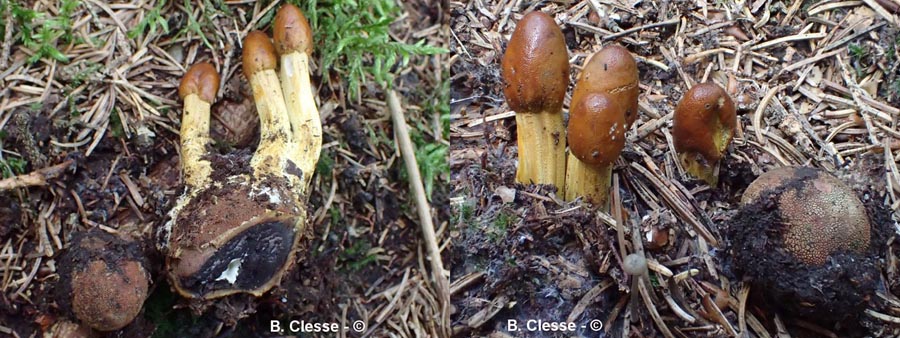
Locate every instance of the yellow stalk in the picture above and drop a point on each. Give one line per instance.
(590, 182)
(303, 113)
(542, 149)
(694, 165)
(274, 127)
(194, 138)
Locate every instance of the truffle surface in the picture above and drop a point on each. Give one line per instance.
(104, 280)
(804, 240)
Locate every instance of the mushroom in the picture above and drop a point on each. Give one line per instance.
(613, 71)
(237, 227)
(198, 90)
(104, 280)
(596, 138)
(800, 226)
(536, 71)
(635, 264)
(294, 43)
(603, 106)
(703, 126)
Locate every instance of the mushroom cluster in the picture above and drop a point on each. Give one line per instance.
(237, 228)
(240, 221)
(604, 106)
(796, 227)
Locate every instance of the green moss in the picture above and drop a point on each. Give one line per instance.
(501, 224)
(462, 214)
(40, 32)
(11, 166)
(116, 128)
(325, 166)
(151, 23)
(357, 256)
(353, 40)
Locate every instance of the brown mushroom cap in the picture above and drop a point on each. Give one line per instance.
(596, 128)
(613, 70)
(704, 121)
(536, 65)
(201, 79)
(291, 31)
(259, 53)
(823, 215)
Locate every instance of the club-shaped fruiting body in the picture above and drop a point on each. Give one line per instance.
(293, 41)
(703, 127)
(821, 214)
(198, 90)
(603, 106)
(237, 227)
(104, 280)
(613, 71)
(535, 68)
(596, 138)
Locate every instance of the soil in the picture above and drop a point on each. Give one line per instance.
(535, 264)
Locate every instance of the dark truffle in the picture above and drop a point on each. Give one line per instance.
(804, 241)
(104, 279)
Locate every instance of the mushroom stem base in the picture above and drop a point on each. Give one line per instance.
(698, 167)
(542, 149)
(590, 182)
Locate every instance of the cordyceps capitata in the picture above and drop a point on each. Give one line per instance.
(240, 222)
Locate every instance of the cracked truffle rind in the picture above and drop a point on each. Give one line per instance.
(825, 216)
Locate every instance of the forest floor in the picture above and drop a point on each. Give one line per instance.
(816, 83)
(88, 100)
